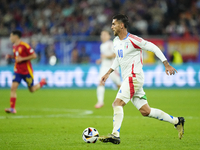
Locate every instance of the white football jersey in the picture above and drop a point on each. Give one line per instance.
(106, 49)
(129, 54)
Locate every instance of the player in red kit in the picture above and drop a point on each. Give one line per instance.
(23, 54)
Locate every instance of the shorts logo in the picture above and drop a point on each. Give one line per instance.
(29, 81)
(120, 91)
(14, 77)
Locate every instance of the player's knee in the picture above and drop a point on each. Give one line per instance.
(31, 90)
(145, 112)
(118, 103)
(13, 89)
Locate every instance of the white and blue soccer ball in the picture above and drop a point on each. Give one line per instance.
(90, 135)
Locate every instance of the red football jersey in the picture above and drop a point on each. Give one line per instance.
(23, 50)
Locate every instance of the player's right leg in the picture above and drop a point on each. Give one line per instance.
(117, 121)
(123, 97)
(13, 94)
(100, 96)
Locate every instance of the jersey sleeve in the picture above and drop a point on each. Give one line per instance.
(28, 49)
(148, 46)
(141, 44)
(115, 64)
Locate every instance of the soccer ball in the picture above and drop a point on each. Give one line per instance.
(90, 135)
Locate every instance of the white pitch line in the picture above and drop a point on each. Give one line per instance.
(68, 113)
(74, 116)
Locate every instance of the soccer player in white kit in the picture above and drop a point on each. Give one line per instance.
(106, 60)
(128, 49)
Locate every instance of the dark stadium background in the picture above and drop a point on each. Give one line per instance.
(69, 30)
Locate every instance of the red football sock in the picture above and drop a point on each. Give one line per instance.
(42, 84)
(12, 102)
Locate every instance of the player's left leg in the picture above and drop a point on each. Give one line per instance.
(142, 105)
(145, 110)
(178, 122)
(37, 86)
(29, 80)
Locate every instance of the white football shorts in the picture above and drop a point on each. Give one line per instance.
(132, 89)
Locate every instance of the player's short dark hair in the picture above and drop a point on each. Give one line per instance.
(17, 32)
(122, 18)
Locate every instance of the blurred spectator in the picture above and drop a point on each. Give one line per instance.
(83, 56)
(176, 58)
(49, 52)
(74, 56)
(47, 19)
(171, 28)
(86, 17)
(141, 25)
(34, 47)
(3, 30)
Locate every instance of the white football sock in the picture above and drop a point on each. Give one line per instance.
(161, 115)
(117, 120)
(100, 94)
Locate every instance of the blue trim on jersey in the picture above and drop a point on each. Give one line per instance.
(126, 36)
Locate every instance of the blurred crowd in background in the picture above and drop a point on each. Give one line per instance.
(86, 17)
(44, 19)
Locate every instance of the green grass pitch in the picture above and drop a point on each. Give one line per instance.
(55, 119)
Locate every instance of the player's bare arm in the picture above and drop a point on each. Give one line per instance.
(108, 56)
(20, 59)
(153, 48)
(105, 77)
(169, 69)
(9, 56)
(98, 61)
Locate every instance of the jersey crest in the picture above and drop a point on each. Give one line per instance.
(126, 45)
